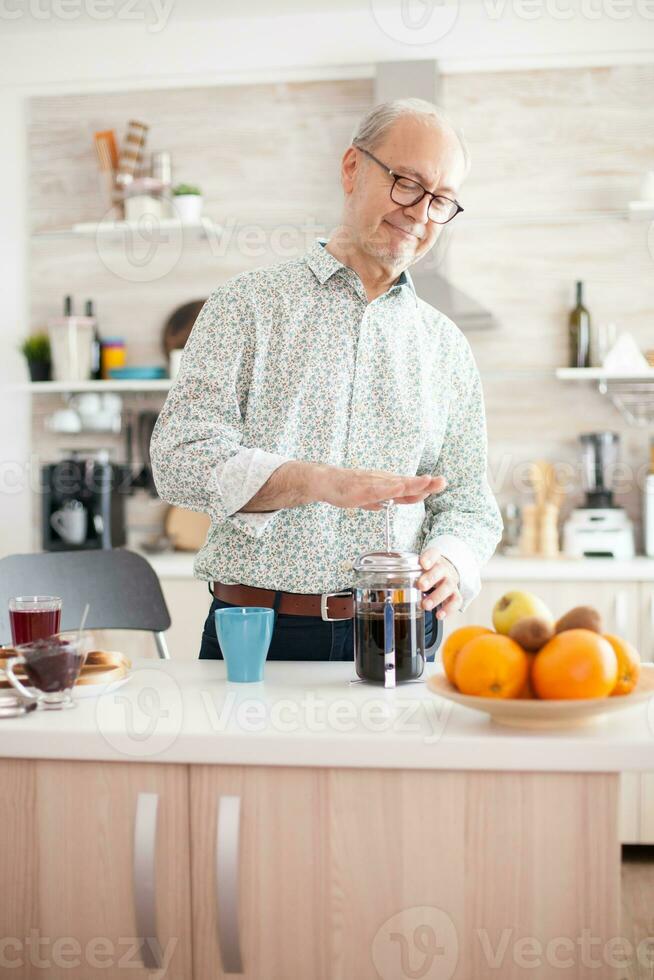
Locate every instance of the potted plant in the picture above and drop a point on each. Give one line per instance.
(36, 350)
(188, 203)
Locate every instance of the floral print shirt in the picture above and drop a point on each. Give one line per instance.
(293, 362)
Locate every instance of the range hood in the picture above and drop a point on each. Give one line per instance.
(421, 80)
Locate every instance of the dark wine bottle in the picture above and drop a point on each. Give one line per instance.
(96, 372)
(579, 328)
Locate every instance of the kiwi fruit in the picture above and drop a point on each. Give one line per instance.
(580, 618)
(531, 633)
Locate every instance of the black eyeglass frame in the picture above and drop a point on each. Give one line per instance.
(396, 177)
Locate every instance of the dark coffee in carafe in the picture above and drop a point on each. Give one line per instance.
(409, 636)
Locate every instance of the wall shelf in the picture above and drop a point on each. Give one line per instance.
(201, 230)
(630, 392)
(74, 387)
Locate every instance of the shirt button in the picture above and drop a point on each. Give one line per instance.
(346, 566)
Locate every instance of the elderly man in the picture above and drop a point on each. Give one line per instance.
(312, 391)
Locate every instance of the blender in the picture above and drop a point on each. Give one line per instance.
(599, 529)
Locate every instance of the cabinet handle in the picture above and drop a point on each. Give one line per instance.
(651, 625)
(228, 829)
(143, 878)
(620, 613)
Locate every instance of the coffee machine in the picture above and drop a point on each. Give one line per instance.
(83, 503)
(599, 529)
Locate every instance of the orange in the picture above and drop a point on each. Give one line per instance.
(453, 645)
(527, 691)
(575, 664)
(628, 664)
(491, 666)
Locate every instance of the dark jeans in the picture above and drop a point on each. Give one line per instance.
(305, 637)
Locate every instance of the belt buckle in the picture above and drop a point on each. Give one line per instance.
(324, 598)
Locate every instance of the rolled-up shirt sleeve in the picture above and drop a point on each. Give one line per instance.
(198, 459)
(464, 521)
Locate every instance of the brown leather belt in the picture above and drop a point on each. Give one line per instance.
(327, 605)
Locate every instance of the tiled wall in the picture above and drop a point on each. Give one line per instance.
(556, 157)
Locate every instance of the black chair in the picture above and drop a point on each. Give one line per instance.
(121, 588)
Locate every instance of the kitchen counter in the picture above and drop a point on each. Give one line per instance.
(308, 714)
(501, 567)
(170, 565)
(395, 812)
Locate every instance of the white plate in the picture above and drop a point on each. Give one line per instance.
(93, 690)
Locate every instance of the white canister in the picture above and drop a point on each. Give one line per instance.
(71, 342)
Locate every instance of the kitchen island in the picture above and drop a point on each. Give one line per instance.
(310, 827)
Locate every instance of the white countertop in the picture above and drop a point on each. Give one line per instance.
(307, 714)
(639, 569)
(171, 565)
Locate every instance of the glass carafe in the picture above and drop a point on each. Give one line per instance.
(389, 622)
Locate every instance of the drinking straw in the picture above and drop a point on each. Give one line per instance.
(83, 620)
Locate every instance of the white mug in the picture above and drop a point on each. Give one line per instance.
(64, 420)
(70, 522)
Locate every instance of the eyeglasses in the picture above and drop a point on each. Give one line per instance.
(407, 192)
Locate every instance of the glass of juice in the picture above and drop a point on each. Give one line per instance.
(34, 617)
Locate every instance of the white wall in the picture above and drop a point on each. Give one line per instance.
(52, 55)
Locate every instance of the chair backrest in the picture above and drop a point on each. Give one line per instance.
(121, 587)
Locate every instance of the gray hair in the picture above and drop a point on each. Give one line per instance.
(380, 118)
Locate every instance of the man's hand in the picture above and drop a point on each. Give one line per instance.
(441, 576)
(367, 489)
(296, 483)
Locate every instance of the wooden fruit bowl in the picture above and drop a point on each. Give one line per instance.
(537, 714)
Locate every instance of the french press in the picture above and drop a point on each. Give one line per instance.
(389, 621)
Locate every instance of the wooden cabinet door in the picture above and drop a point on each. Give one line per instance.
(646, 780)
(259, 872)
(95, 866)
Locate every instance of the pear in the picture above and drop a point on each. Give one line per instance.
(514, 606)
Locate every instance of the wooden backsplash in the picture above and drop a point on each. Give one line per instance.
(554, 153)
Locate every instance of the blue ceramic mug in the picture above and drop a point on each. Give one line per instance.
(244, 634)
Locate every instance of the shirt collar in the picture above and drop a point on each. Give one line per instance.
(323, 265)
